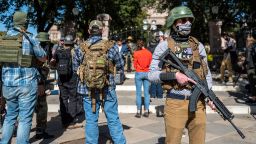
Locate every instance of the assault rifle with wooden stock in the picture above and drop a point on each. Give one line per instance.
(199, 89)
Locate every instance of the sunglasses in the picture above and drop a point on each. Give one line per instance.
(184, 20)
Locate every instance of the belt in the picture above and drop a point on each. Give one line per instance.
(178, 96)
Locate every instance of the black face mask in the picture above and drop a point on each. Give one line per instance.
(178, 37)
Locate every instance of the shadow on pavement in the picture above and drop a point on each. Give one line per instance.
(54, 127)
(104, 135)
(241, 98)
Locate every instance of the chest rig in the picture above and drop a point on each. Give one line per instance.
(11, 52)
(188, 53)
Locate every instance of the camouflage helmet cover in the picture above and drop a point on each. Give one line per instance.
(96, 23)
(177, 13)
(19, 18)
(43, 37)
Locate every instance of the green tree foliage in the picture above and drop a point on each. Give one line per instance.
(126, 13)
(44, 13)
(233, 13)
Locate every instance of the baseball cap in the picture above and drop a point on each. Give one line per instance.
(96, 23)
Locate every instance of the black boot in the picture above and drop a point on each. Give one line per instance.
(138, 114)
(146, 113)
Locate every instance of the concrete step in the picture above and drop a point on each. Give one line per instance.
(159, 109)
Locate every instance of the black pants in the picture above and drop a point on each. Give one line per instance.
(252, 81)
(70, 101)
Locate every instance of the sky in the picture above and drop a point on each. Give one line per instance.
(31, 29)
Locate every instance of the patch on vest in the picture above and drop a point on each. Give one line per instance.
(186, 53)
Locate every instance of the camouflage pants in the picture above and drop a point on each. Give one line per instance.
(41, 113)
(226, 64)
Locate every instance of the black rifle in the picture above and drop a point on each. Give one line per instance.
(199, 89)
(236, 80)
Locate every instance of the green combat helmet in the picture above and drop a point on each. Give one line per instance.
(177, 13)
(20, 19)
(43, 37)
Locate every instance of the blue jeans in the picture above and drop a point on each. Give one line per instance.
(20, 101)
(141, 78)
(156, 90)
(111, 113)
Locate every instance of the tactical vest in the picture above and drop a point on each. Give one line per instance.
(95, 68)
(11, 51)
(194, 62)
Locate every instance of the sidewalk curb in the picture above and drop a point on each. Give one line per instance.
(215, 88)
(159, 108)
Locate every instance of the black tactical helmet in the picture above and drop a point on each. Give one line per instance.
(69, 40)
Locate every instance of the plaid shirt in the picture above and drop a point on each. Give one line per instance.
(113, 55)
(13, 75)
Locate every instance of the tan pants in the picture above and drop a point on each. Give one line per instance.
(177, 117)
(226, 64)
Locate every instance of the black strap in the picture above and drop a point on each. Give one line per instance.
(26, 36)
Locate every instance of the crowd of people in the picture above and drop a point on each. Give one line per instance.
(86, 79)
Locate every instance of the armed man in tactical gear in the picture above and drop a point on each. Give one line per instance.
(94, 62)
(18, 52)
(70, 109)
(192, 54)
(41, 108)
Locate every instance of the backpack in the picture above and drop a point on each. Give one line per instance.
(95, 67)
(64, 64)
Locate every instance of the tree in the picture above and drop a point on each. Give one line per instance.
(44, 13)
(233, 13)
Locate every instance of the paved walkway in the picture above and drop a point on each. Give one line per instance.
(151, 130)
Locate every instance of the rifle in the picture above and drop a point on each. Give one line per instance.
(199, 89)
(236, 80)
